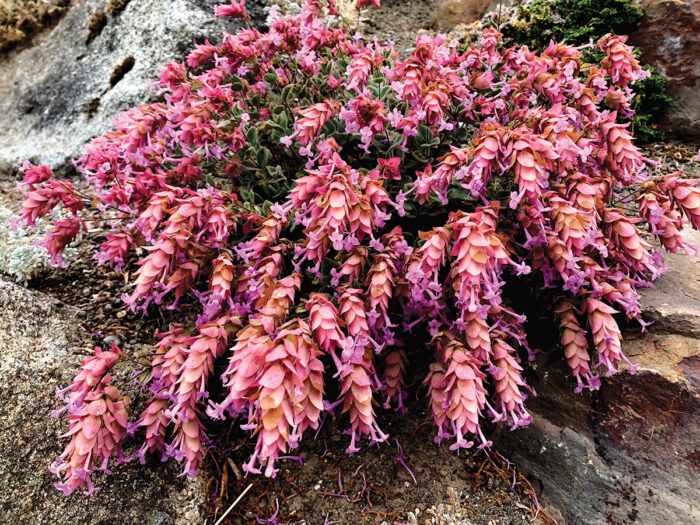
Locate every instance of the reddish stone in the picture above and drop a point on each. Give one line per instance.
(669, 36)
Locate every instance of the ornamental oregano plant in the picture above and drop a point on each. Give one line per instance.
(323, 200)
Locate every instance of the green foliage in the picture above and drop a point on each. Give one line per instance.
(652, 101)
(577, 22)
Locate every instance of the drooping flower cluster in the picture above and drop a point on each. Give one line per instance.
(98, 416)
(335, 211)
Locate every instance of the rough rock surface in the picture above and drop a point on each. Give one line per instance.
(629, 453)
(38, 338)
(66, 88)
(669, 36)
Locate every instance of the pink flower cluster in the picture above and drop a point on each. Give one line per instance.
(334, 211)
(98, 416)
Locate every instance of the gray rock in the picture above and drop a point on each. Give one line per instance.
(66, 89)
(40, 350)
(673, 303)
(162, 518)
(628, 453)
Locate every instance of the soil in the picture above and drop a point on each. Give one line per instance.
(399, 21)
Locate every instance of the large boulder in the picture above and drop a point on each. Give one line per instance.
(669, 36)
(39, 350)
(69, 85)
(628, 453)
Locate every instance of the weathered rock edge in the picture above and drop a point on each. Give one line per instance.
(629, 453)
(39, 350)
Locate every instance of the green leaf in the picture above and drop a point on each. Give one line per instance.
(263, 156)
(252, 136)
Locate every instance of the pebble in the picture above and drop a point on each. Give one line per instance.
(121, 314)
(81, 314)
(162, 518)
(112, 339)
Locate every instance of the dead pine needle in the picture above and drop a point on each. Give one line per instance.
(239, 498)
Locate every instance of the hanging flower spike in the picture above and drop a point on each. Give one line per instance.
(171, 352)
(41, 200)
(380, 283)
(685, 194)
(439, 180)
(94, 375)
(532, 161)
(155, 269)
(423, 270)
(325, 323)
(60, 235)
(508, 381)
(573, 340)
(623, 158)
(96, 430)
(357, 393)
(433, 252)
(394, 378)
(351, 269)
(486, 156)
(367, 115)
(620, 62)
(115, 249)
(291, 365)
(188, 444)
(222, 277)
(664, 222)
(479, 255)
(252, 342)
(456, 391)
(436, 101)
(352, 309)
(624, 235)
(572, 226)
(275, 307)
(606, 335)
(155, 420)
(478, 339)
